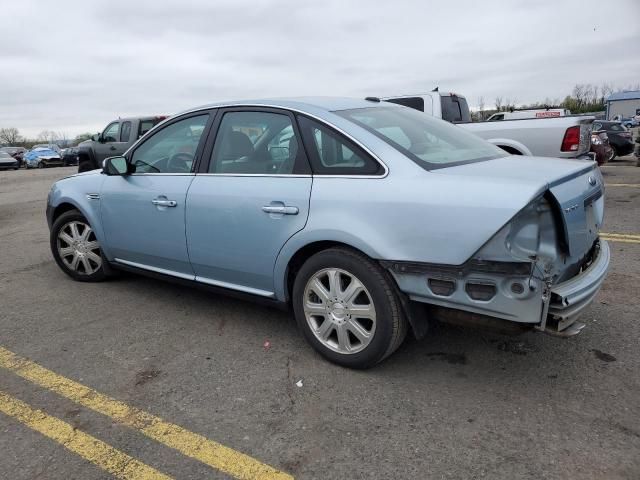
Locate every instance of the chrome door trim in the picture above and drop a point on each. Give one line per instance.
(156, 269)
(233, 286)
(278, 107)
(207, 281)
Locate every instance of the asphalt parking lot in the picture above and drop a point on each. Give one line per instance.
(148, 377)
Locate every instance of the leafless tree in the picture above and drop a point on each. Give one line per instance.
(9, 135)
(481, 107)
(499, 104)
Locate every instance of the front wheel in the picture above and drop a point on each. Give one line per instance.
(612, 155)
(40, 165)
(76, 249)
(347, 308)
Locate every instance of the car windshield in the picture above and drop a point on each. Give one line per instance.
(430, 142)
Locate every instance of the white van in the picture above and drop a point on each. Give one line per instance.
(533, 113)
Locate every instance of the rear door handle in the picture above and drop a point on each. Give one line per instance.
(281, 209)
(164, 203)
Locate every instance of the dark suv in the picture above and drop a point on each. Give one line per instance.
(114, 140)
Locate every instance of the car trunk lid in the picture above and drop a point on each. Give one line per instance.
(575, 185)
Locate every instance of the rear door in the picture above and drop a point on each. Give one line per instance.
(250, 196)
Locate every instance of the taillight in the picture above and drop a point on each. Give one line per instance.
(571, 140)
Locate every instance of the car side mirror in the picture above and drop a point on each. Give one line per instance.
(115, 166)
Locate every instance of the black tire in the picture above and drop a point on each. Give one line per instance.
(614, 154)
(391, 325)
(60, 223)
(40, 165)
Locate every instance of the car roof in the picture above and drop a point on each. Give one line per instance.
(303, 104)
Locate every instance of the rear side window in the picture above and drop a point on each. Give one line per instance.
(455, 109)
(616, 127)
(125, 131)
(333, 154)
(412, 102)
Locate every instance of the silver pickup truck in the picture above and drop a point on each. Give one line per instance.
(563, 137)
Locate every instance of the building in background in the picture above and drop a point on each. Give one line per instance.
(625, 104)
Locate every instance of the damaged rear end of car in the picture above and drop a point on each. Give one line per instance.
(540, 270)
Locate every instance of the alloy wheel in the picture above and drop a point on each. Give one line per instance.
(78, 248)
(339, 310)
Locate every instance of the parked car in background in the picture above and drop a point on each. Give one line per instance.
(409, 217)
(115, 139)
(600, 146)
(620, 137)
(41, 157)
(70, 156)
(50, 146)
(7, 162)
(559, 137)
(15, 152)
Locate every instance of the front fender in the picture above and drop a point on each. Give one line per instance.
(85, 197)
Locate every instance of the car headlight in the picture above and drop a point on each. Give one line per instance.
(595, 140)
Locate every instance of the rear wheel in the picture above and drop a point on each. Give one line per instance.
(76, 249)
(347, 308)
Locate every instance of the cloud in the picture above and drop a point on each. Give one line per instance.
(72, 66)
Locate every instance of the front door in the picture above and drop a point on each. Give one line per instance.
(251, 198)
(143, 213)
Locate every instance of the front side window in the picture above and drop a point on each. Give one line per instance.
(125, 131)
(333, 154)
(256, 143)
(172, 149)
(111, 133)
(429, 142)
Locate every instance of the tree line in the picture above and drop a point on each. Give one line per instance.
(10, 136)
(584, 98)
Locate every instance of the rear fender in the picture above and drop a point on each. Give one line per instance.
(507, 142)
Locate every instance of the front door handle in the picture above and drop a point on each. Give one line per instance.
(281, 209)
(112, 147)
(164, 203)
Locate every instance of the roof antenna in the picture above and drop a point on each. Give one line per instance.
(435, 89)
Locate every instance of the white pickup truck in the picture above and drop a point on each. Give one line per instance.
(564, 137)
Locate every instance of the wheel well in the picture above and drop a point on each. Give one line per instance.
(60, 209)
(510, 150)
(304, 254)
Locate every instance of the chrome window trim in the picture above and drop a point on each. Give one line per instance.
(294, 175)
(161, 174)
(279, 107)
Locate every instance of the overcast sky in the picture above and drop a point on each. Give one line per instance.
(72, 66)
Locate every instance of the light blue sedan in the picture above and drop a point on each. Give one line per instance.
(367, 218)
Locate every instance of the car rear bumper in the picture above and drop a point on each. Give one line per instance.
(569, 299)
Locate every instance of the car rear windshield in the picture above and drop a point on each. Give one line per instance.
(616, 127)
(429, 142)
(455, 109)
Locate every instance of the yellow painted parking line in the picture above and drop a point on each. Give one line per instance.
(620, 237)
(622, 185)
(90, 448)
(191, 444)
